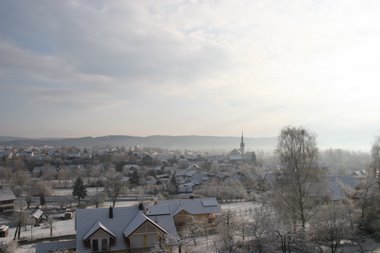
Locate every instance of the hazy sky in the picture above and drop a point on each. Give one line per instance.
(90, 68)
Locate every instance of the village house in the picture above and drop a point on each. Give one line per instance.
(5, 154)
(191, 174)
(189, 177)
(202, 210)
(133, 229)
(341, 187)
(122, 229)
(7, 200)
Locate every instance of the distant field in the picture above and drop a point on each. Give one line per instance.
(68, 192)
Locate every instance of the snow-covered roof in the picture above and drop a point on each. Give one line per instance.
(209, 202)
(123, 222)
(6, 194)
(192, 206)
(137, 221)
(37, 214)
(55, 246)
(98, 225)
(340, 186)
(158, 210)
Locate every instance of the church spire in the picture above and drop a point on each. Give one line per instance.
(242, 143)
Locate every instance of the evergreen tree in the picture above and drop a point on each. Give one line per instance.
(42, 199)
(135, 178)
(172, 186)
(79, 189)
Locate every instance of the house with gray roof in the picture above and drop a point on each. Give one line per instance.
(134, 229)
(59, 246)
(126, 229)
(341, 187)
(122, 229)
(191, 174)
(202, 210)
(7, 200)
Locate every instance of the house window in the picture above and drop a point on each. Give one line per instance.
(95, 245)
(104, 244)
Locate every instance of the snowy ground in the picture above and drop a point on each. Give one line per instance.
(204, 245)
(68, 192)
(60, 228)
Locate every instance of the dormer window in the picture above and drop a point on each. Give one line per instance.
(98, 245)
(100, 237)
(104, 244)
(95, 245)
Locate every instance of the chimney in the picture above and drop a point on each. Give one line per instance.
(110, 212)
(141, 206)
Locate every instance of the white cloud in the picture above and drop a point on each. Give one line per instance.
(241, 64)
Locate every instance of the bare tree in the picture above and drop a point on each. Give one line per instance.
(113, 185)
(369, 194)
(41, 187)
(331, 224)
(365, 191)
(98, 198)
(243, 227)
(5, 175)
(300, 182)
(11, 247)
(226, 231)
(375, 162)
(192, 229)
(263, 228)
(370, 209)
(19, 217)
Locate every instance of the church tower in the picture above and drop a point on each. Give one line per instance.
(242, 144)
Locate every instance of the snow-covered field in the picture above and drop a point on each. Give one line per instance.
(68, 192)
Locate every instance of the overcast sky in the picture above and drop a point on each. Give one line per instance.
(91, 68)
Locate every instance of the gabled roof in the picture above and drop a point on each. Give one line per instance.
(125, 219)
(177, 210)
(166, 221)
(37, 214)
(98, 225)
(137, 221)
(209, 202)
(158, 210)
(192, 206)
(86, 218)
(55, 246)
(340, 186)
(6, 194)
(193, 167)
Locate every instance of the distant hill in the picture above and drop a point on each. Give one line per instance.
(161, 141)
(10, 138)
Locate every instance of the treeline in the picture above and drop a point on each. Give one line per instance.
(342, 162)
(338, 161)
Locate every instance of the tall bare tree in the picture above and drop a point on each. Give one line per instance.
(375, 163)
(114, 185)
(226, 232)
(300, 181)
(370, 197)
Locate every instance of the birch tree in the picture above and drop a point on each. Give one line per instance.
(300, 181)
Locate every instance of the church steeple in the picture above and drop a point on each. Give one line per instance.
(242, 143)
